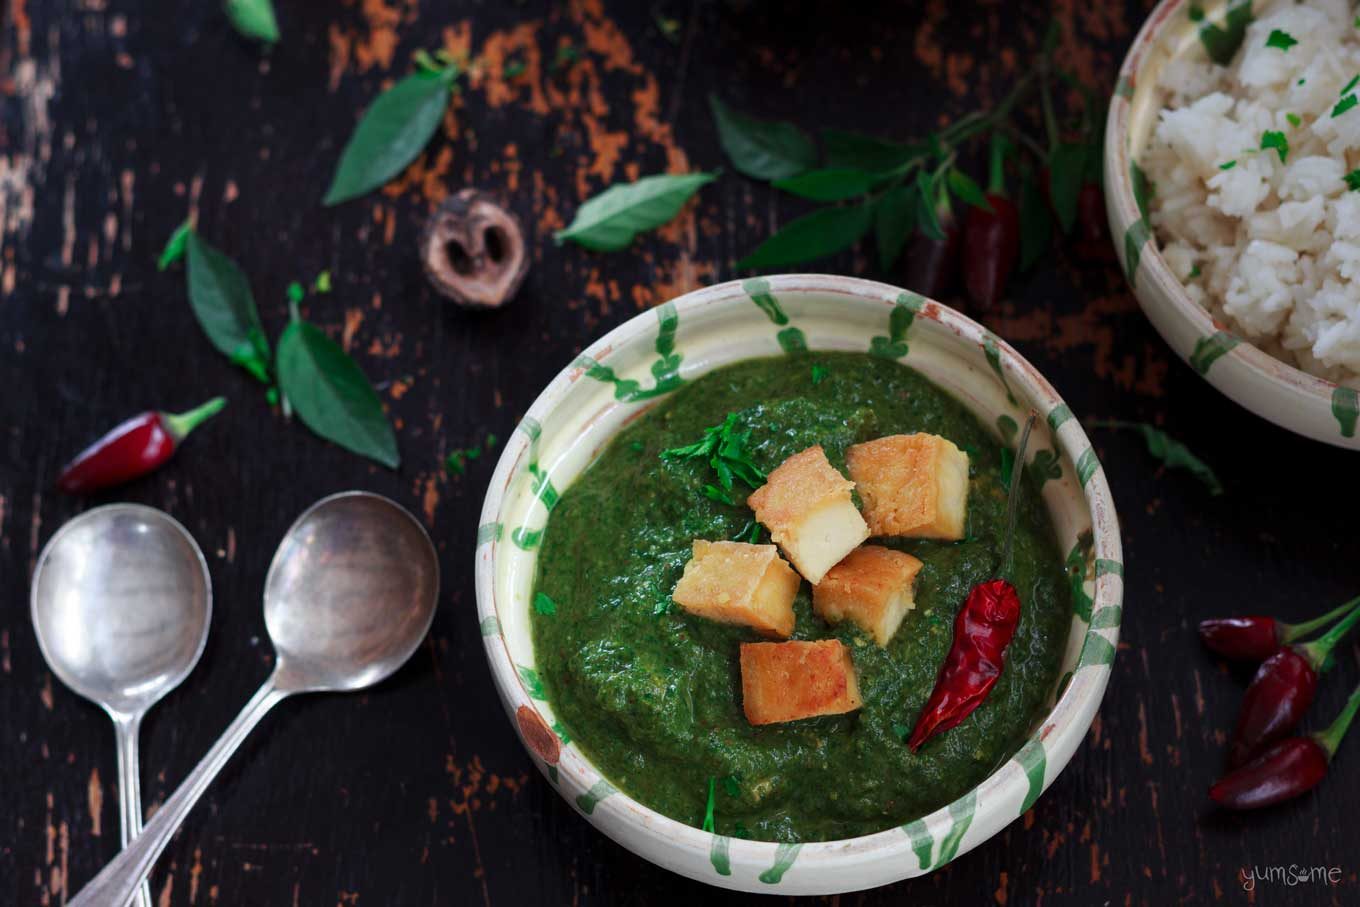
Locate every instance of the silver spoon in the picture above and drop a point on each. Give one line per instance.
(121, 604)
(349, 596)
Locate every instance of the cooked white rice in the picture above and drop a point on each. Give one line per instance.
(1270, 248)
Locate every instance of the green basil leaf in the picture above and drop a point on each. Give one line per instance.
(894, 219)
(823, 232)
(1066, 163)
(331, 394)
(927, 217)
(394, 130)
(1036, 222)
(609, 221)
(966, 189)
(1172, 453)
(765, 150)
(833, 184)
(221, 299)
(254, 19)
(174, 246)
(865, 152)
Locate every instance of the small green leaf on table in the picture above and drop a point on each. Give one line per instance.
(1066, 165)
(609, 221)
(865, 152)
(823, 232)
(221, 299)
(254, 19)
(331, 394)
(1172, 453)
(394, 130)
(966, 189)
(174, 246)
(764, 150)
(833, 184)
(894, 219)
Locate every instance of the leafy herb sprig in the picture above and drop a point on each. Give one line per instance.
(725, 448)
(318, 379)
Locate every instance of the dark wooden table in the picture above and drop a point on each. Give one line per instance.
(120, 118)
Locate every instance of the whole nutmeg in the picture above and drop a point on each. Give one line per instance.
(473, 250)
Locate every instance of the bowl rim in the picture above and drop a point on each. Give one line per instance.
(1066, 722)
(1259, 382)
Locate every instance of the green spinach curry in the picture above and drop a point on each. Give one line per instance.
(652, 694)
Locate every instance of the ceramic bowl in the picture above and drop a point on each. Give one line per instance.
(1266, 386)
(636, 364)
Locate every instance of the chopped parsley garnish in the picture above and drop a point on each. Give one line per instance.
(902, 731)
(1195, 272)
(725, 448)
(1227, 165)
(1272, 139)
(1196, 12)
(1343, 105)
(708, 812)
(1294, 119)
(714, 493)
(1353, 180)
(662, 607)
(544, 605)
(637, 446)
(1300, 81)
(731, 786)
(515, 68)
(456, 462)
(819, 373)
(1281, 39)
(322, 284)
(1355, 80)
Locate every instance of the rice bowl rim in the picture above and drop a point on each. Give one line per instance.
(1259, 382)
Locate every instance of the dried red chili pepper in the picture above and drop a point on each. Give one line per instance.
(931, 262)
(983, 629)
(1257, 638)
(133, 449)
(1281, 692)
(1285, 770)
(991, 238)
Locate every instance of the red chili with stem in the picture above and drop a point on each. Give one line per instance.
(1286, 769)
(1281, 691)
(1256, 638)
(931, 262)
(991, 238)
(983, 629)
(132, 449)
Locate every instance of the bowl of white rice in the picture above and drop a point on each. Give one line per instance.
(1232, 181)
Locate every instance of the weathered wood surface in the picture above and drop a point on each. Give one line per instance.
(121, 117)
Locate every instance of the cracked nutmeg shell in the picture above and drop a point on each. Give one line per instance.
(473, 250)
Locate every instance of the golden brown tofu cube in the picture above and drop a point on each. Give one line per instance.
(786, 681)
(874, 587)
(737, 583)
(914, 486)
(806, 505)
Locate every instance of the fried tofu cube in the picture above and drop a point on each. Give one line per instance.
(737, 583)
(874, 588)
(806, 505)
(786, 681)
(915, 486)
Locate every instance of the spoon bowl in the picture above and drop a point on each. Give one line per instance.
(350, 593)
(121, 605)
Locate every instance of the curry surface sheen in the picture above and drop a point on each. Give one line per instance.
(652, 695)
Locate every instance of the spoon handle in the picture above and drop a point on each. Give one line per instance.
(126, 729)
(118, 881)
